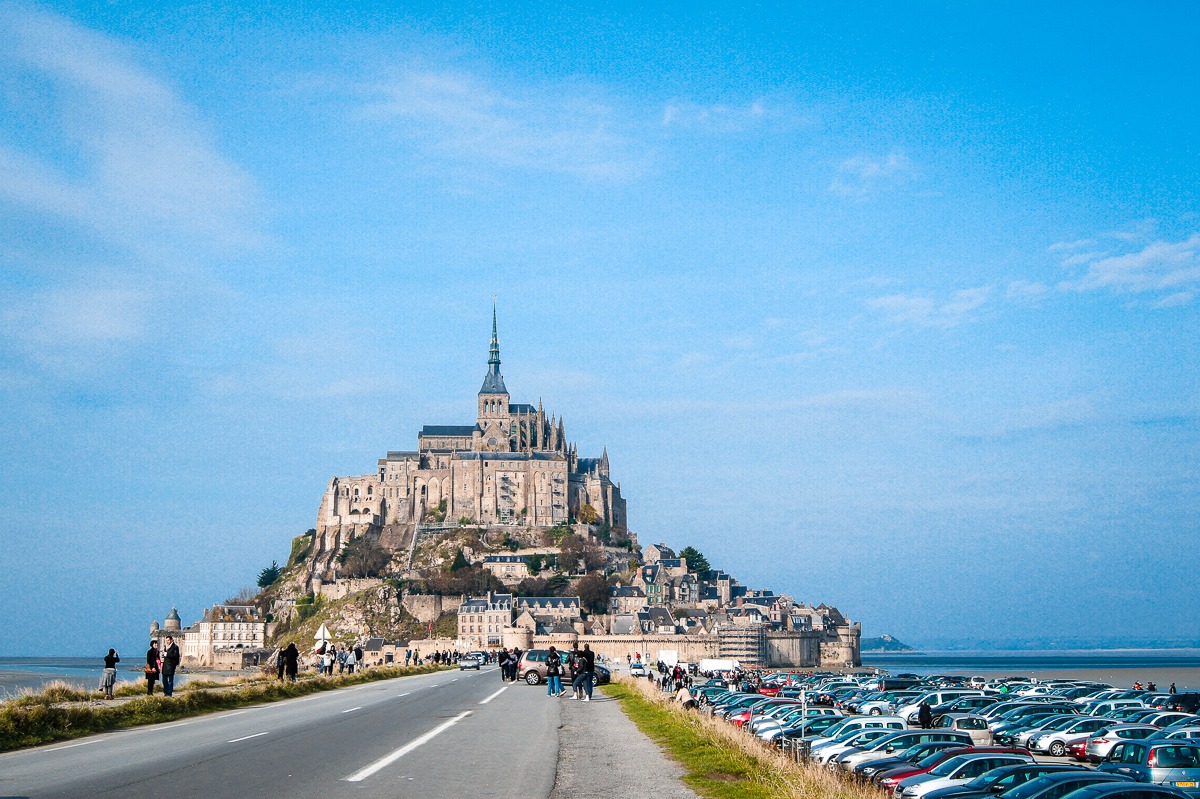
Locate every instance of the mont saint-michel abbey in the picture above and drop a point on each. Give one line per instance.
(514, 465)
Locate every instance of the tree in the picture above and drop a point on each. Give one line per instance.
(696, 562)
(268, 575)
(593, 593)
(460, 561)
(588, 515)
(534, 562)
(594, 558)
(363, 557)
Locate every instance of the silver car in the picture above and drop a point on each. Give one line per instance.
(1100, 744)
(1175, 764)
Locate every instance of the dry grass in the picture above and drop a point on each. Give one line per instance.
(60, 711)
(724, 762)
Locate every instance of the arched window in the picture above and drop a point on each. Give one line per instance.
(370, 490)
(356, 491)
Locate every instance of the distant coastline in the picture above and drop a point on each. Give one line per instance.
(19, 674)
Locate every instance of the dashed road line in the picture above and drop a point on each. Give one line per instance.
(386, 761)
(351, 710)
(68, 746)
(248, 737)
(493, 696)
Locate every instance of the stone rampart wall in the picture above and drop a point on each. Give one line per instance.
(430, 607)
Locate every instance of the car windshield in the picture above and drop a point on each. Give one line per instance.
(930, 759)
(948, 767)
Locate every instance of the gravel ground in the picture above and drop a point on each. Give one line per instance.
(601, 753)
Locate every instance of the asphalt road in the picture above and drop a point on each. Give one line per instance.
(449, 734)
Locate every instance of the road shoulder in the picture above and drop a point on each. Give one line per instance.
(601, 752)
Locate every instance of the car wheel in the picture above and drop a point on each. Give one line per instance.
(876, 711)
(1058, 749)
(532, 677)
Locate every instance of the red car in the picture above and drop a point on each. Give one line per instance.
(1078, 750)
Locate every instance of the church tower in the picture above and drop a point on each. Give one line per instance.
(494, 418)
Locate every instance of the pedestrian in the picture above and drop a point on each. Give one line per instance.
(280, 663)
(1137, 685)
(291, 661)
(152, 667)
(589, 671)
(502, 662)
(1171, 689)
(109, 680)
(514, 662)
(685, 698)
(351, 661)
(170, 662)
(925, 716)
(407, 657)
(1151, 687)
(553, 673)
(358, 653)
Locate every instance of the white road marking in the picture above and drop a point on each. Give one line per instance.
(384, 762)
(493, 696)
(406, 693)
(247, 737)
(68, 746)
(454, 680)
(351, 710)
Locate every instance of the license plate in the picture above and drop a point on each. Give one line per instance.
(1190, 784)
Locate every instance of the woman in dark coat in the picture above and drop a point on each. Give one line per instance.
(152, 667)
(291, 661)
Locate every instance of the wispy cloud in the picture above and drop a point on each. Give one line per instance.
(863, 175)
(1168, 269)
(727, 117)
(925, 311)
(458, 116)
(139, 164)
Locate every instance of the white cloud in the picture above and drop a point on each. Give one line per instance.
(927, 312)
(455, 115)
(726, 118)
(1024, 291)
(138, 164)
(1171, 269)
(864, 175)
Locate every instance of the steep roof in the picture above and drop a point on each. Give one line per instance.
(464, 430)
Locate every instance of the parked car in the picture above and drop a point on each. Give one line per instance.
(998, 780)
(637, 670)
(956, 770)
(904, 759)
(1100, 744)
(895, 776)
(897, 741)
(1127, 790)
(1055, 742)
(1175, 764)
(1062, 783)
(469, 662)
(975, 726)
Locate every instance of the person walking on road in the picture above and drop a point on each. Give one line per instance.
(152, 667)
(925, 716)
(109, 680)
(170, 662)
(553, 673)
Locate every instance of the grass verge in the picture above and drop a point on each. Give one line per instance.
(60, 712)
(722, 762)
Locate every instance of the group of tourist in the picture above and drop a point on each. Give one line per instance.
(159, 665)
(348, 659)
(579, 665)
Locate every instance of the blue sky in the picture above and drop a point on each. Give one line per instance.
(889, 307)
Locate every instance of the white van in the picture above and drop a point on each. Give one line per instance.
(908, 711)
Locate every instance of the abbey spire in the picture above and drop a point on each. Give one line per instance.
(493, 381)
